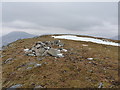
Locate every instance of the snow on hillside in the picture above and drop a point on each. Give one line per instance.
(72, 37)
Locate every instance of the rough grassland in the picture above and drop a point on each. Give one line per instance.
(71, 71)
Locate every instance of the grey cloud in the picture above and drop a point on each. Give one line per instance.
(71, 17)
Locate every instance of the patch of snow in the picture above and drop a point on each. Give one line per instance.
(73, 37)
(26, 50)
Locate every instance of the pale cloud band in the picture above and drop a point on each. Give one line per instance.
(94, 19)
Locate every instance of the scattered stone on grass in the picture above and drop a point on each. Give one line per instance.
(32, 65)
(28, 66)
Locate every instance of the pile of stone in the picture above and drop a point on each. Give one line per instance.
(46, 48)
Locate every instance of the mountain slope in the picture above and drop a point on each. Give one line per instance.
(84, 65)
(13, 36)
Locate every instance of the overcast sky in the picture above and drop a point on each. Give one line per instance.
(84, 18)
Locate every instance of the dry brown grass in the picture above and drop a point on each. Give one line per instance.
(72, 71)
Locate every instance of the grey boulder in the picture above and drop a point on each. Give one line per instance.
(55, 52)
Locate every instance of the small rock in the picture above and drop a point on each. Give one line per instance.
(100, 85)
(91, 71)
(31, 54)
(45, 63)
(26, 50)
(40, 51)
(55, 52)
(38, 86)
(64, 50)
(84, 45)
(29, 68)
(8, 60)
(38, 46)
(16, 86)
(60, 55)
(37, 65)
(32, 65)
(46, 48)
(89, 62)
(20, 66)
(89, 58)
(40, 59)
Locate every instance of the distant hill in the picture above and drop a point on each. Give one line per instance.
(13, 36)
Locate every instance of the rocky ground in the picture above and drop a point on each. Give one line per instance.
(84, 65)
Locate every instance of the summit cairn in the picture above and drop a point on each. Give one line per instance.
(46, 48)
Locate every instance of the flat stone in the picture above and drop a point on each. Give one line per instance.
(64, 50)
(46, 48)
(33, 64)
(84, 45)
(33, 48)
(89, 62)
(31, 54)
(40, 59)
(45, 63)
(100, 85)
(37, 65)
(8, 60)
(38, 46)
(16, 86)
(60, 55)
(26, 50)
(29, 68)
(40, 51)
(91, 71)
(54, 52)
(89, 58)
(38, 86)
